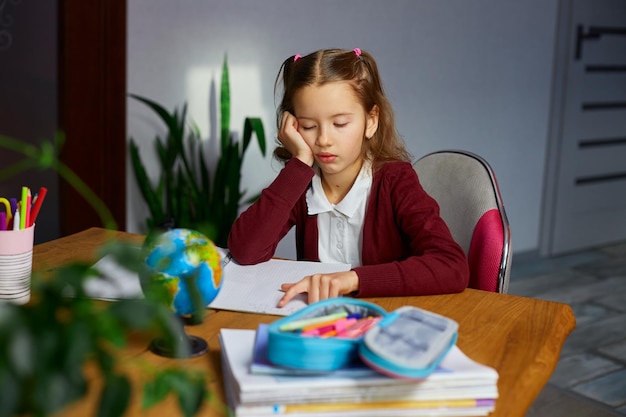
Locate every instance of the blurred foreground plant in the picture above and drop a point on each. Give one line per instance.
(47, 345)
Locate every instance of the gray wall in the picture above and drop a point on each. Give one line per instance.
(471, 74)
(28, 97)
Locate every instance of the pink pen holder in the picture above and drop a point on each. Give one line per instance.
(16, 264)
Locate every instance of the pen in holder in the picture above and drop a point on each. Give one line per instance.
(16, 264)
(184, 271)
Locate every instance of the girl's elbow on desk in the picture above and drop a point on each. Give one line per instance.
(243, 258)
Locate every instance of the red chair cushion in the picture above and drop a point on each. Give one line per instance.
(485, 253)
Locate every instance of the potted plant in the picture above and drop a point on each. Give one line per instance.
(189, 192)
(46, 344)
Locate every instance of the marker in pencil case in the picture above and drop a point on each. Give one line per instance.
(339, 327)
(358, 328)
(300, 324)
(322, 326)
(328, 329)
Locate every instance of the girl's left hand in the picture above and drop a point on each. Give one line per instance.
(293, 141)
(321, 286)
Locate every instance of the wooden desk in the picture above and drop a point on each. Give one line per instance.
(520, 337)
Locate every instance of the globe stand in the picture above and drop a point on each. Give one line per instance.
(192, 319)
(197, 346)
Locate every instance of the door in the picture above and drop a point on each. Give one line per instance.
(585, 193)
(92, 109)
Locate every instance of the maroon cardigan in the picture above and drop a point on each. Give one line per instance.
(407, 247)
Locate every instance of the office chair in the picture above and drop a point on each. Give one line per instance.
(465, 187)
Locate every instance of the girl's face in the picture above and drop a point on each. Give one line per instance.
(334, 124)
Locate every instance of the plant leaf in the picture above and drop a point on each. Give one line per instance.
(53, 390)
(167, 118)
(135, 314)
(115, 396)
(110, 329)
(205, 182)
(10, 392)
(250, 125)
(225, 106)
(47, 157)
(78, 344)
(149, 194)
(21, 350)
(156, 390)
(190, 398)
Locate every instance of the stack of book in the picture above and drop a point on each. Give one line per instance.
(256, 388)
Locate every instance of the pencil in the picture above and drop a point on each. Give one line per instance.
(37, 206)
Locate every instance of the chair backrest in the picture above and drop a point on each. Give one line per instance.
(465, 187)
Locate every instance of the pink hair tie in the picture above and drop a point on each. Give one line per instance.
(357, 52)
(296, 57)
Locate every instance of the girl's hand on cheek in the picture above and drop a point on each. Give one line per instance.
(321, 286)
(291, 139)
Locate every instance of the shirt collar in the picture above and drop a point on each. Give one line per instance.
(318, 203)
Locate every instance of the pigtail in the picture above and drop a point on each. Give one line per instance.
(283, 79)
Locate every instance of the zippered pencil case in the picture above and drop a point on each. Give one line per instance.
(290, 345)
(407, 343)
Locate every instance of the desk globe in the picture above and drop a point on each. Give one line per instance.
(177, 255)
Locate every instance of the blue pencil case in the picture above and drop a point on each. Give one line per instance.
(406, 343)
(291, 348)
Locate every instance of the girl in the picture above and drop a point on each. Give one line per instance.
(349, 189)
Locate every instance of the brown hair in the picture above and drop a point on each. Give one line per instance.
(361, 71)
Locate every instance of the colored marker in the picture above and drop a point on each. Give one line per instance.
(9, 212)
(299, 324)
(3, 220)
(322, 326)
(13, 202)
(23, 208)
(28, 208)
(359, 328)
(328, 329)
(37, 204)
(338, 327)
(16, 220)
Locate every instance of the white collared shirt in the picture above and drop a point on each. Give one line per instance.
(340, 226)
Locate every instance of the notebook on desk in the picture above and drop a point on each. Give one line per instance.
(250, 288)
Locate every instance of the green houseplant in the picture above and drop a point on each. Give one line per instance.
(46, 344)
(189, 193)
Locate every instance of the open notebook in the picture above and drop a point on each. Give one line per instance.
(253, 288)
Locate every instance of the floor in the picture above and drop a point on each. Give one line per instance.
(590, 378)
